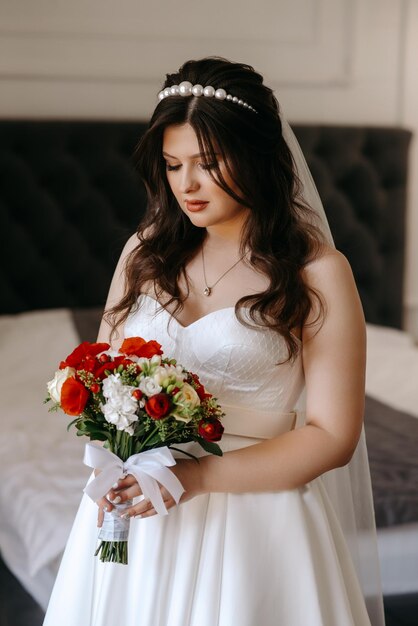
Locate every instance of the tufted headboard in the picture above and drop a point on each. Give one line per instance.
(69, 199)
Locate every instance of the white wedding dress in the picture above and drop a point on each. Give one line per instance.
(253, 559)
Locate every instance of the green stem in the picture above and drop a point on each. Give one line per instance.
(150, 436)
(113, 552)
(192, 456)
(117, 442)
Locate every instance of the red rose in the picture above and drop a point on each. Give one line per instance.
(88, 363)
(141, 348)
(100, 371)
(74, 397)
(211, 430)
(197, 385)
(158, 406)
(86, 351)
(111, 365)
(201, 392)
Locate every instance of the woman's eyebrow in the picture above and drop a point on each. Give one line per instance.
(193, 156)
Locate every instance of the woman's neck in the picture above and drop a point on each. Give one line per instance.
(227, 235)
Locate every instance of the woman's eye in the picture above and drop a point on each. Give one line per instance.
(202, 166)
(207, 166)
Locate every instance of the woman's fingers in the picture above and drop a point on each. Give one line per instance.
(122, 495)
(127, 481)
(125, 489)
(144, 508)
(150, 511)
(104, 505)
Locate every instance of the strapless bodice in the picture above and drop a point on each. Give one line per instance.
(236, 364)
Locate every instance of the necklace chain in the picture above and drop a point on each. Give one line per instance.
(208, 290)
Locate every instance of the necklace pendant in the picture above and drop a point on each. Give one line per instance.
(207, 291)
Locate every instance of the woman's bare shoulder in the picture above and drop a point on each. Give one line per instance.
(134, 240)
(131, 244)
(328, 267)
(330, 276)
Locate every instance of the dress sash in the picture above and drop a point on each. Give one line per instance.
(245, 422)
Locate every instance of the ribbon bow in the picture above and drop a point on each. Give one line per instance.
(147, 467)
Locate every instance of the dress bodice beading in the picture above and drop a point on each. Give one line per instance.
(238, 365)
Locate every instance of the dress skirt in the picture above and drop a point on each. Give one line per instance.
(252, 559)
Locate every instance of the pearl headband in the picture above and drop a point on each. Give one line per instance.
(187, 89)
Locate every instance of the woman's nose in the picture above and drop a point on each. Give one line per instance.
(188, 180)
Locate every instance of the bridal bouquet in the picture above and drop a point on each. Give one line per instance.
(139, 403)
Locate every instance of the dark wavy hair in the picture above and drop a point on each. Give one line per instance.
(279, 231)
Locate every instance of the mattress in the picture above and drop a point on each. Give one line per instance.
(391, 423)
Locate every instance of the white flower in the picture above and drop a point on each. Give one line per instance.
(149, 387)
(145, 363)
(186, 400)
(178, 415)
(120, 408)
(173, 373)
(54, 386)
(188, 396)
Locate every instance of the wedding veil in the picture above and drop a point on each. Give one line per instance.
(349, 487)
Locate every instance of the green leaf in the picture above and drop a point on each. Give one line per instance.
(209, 446)
(99, 436)
(72, 423)
(89, 423)
(139, 429)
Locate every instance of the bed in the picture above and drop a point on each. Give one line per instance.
(69, 199)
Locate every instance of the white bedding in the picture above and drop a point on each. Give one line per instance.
(392, 368)
(41, 469)
(392, 378)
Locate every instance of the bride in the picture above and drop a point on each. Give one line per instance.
(234, 272)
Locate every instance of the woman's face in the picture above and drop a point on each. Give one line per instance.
(202, 200)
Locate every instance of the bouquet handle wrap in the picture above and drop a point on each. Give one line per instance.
(147, 467)
(115, 527)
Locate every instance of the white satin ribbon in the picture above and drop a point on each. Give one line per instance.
(147, 467)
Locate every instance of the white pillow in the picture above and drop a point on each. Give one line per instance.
(42, 473)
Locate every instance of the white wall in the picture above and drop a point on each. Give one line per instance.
(343, 61)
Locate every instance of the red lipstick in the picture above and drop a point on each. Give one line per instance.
(195, 205)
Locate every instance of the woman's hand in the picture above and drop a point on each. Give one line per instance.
(188, 473)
